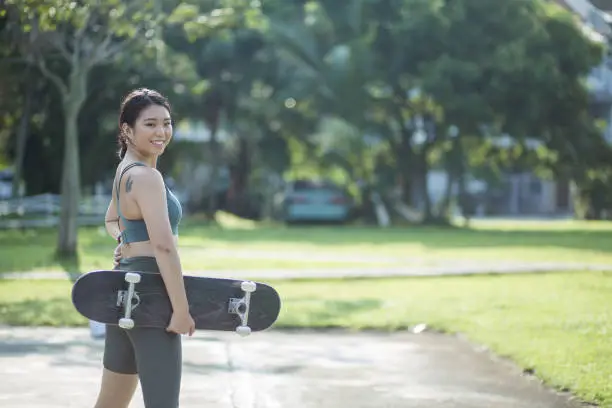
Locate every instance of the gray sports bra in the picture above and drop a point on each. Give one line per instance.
(136, 230)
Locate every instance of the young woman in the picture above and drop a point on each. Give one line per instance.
(143, 216)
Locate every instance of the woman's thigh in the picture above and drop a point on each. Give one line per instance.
(159, 362)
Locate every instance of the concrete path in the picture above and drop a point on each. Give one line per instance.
(49, 368)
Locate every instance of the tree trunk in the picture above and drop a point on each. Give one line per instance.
(454, 168)
(422, 174)
(71, 175)
(405, 166)
(444, 209)
(466, 201)
(70, 189)
(214, 168)
(240, 178)
(22, 138)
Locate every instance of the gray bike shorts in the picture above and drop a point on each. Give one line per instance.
(154, 354)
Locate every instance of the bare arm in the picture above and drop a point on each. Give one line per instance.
(111, 221)
(147, 189)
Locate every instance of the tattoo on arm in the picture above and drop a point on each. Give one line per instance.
(128, 184)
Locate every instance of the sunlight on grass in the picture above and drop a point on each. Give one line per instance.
(37, 303)
(254, 246)
(230, 221)
(501, 224)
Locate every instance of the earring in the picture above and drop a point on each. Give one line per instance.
(126, 138)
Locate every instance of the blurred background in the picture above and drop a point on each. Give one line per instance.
(377, 112)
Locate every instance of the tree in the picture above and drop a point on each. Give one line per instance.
(223, 40)
(481, 78)
(329, 58)
(65, 42)
(416, 68)
(18, 85)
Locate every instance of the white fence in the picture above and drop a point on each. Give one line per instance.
(43, 211)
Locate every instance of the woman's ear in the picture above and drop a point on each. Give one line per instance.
(127, 132)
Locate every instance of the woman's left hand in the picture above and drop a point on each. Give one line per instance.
(117, 255)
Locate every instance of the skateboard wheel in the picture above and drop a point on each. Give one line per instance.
(126, 323)
(248, 286)
(132, 277)
(243, 330)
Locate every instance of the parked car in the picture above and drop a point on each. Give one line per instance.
(6, 184)
(306, 200)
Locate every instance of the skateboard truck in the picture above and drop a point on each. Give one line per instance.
(125, 299)
(242, 306)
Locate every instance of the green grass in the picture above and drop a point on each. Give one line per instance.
(242, 245)
(557, 324)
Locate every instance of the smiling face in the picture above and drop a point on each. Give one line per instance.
(152, 131)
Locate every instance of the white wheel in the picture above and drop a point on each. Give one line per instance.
(243, 330)
(126, 323)
(248, 286)
(132, 277)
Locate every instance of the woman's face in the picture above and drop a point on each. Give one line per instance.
(152, 131)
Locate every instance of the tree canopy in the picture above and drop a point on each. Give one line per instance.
(364, 91)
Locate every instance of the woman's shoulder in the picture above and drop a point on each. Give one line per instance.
(136, 174)
(145, 178)
(137, 168)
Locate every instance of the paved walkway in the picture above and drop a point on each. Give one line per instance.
(53, 368)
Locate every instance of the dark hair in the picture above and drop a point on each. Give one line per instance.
(134, 103)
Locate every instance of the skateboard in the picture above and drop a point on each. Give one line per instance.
(139, 299)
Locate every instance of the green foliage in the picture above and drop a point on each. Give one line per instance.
(514, 68)
(201, 19)
(118, 16)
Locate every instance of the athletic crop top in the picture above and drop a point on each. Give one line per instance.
(136, 230)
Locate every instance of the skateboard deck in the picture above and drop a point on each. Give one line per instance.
(139, 299)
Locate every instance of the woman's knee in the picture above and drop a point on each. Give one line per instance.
(116, 390)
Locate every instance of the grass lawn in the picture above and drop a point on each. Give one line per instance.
(556, 324)
(245, 245)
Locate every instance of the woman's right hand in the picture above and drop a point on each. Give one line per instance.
(181, 323)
